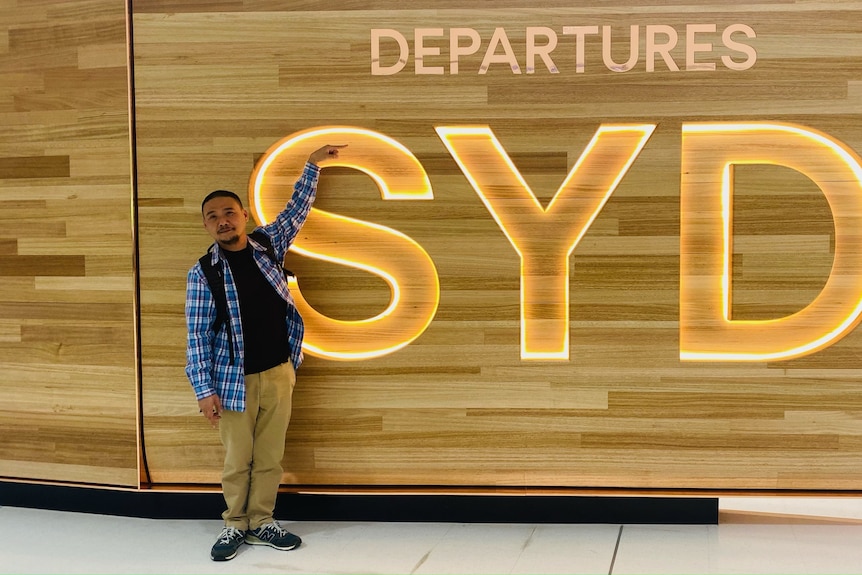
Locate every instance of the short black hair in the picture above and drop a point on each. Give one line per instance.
(220, 194)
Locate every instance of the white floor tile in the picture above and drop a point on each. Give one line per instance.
(830, 548)
(477, 548)
(666, 549)
(579, 549)
(741, 548)
(366, 547)
(50, 542)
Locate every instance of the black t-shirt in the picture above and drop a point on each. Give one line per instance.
(263, 314)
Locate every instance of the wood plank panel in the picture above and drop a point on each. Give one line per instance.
(218, 83)
(34, 167)
(67, 283)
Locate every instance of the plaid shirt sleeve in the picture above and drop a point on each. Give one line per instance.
(200, 314)
(282, 232)
(284, 229)
(208, 359)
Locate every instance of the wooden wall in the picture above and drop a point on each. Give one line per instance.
(68, 408)
(217, 83)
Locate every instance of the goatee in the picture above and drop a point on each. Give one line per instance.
(229, 241)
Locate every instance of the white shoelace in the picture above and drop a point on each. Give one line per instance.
(229, 533)
(274, 526)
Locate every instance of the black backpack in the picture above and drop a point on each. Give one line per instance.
(215, 279)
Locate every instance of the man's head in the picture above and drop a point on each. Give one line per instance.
(225, 219)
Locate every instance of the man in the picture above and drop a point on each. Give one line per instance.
(243, 372)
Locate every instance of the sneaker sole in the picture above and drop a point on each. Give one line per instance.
(251, 540)
(228, 558)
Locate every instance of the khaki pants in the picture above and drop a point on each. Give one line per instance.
(254, 445)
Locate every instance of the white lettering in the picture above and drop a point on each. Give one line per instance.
(702, 47)
(455, 48)
(508, 57)
(653, 47)
(543, 51)
(634, 49)
(579, 33)
(692, 47)
(376, 68)
(421, 50)
(727, 38)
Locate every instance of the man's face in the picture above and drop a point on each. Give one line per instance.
(225, 221)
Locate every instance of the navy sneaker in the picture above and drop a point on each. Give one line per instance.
(274, 535)
(228, 543)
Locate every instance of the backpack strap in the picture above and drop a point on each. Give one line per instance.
(215, 279)
(260, 237)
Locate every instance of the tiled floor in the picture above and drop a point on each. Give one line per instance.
(778, 535)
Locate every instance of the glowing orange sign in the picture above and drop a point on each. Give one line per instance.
(709, 153)
(545, 256)
(544, 238)
(384, 252)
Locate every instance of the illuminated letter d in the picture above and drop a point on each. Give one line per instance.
(709, 154)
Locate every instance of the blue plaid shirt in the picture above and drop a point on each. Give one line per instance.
(208, 365)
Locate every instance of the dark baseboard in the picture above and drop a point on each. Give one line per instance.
(444, 508)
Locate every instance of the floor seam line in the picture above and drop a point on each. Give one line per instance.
(616, 548)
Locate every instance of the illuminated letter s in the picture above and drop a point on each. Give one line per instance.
(382, 251)
(709, 154)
